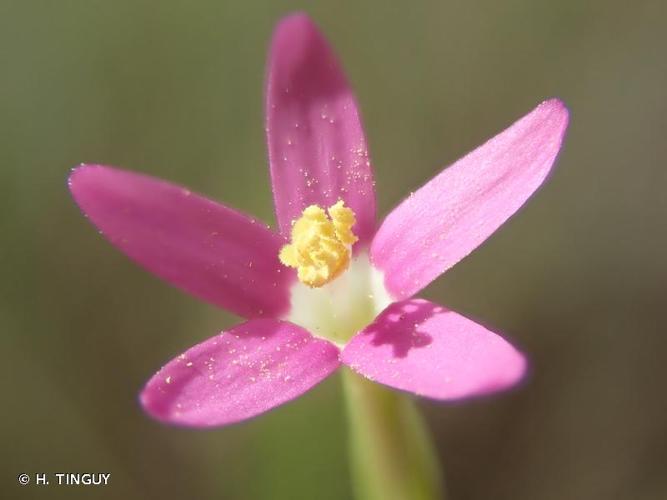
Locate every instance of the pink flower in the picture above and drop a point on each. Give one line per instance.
(366, 318)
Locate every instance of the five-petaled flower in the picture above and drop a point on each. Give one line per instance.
(347, 297)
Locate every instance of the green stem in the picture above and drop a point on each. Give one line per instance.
(392, 457)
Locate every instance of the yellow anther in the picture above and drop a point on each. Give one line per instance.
(343, 220)
(320, 247)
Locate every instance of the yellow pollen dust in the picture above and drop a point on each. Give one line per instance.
(320, 247)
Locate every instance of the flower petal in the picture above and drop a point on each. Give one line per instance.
(317, 148)
(205, 248)
(461, 207)
(420, 347)
(238, 374)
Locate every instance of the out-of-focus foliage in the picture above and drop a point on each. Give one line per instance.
(174, 89)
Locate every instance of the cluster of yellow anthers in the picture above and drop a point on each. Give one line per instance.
(320, 246)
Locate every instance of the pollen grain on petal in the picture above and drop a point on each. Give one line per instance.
(320, 246)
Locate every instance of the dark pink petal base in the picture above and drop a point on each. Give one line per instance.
(238, 374)
(423, 348)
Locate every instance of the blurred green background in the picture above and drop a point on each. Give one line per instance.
(174, 89)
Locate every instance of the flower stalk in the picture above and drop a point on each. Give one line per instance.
(391, 454)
